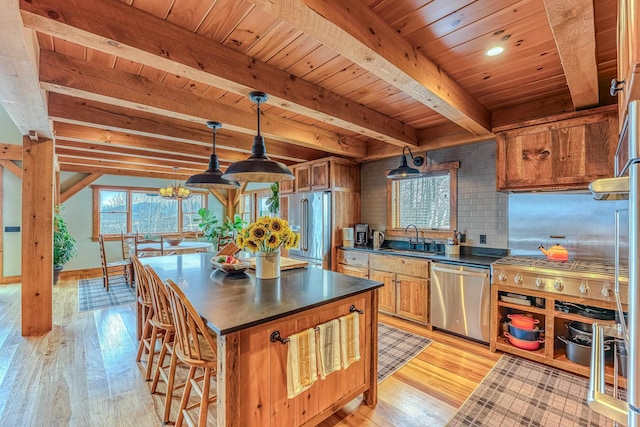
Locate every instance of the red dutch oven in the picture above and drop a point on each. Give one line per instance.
(521, 321)
(524, 344)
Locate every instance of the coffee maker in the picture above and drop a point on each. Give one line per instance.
(362, 234)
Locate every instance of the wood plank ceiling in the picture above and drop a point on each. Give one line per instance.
(130, 84)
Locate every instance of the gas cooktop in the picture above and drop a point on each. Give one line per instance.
(585, 279)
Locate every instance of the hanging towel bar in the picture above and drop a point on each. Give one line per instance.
(276, 337)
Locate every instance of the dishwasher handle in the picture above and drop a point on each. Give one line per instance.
(459, 272)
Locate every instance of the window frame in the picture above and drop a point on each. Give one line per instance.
(426, 170)
(129, 190)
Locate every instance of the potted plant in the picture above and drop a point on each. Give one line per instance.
(65, 246)
(273, 202)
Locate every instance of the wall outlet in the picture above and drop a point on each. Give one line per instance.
(13, 229)
(483, 239)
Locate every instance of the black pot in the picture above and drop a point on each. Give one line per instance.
(524, 334)
(579, 349)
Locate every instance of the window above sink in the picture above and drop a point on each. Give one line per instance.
(429, 201)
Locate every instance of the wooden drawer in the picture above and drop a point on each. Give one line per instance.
(361, 272)
(397, 264)
(353, 258)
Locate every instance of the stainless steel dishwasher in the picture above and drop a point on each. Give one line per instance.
(461, 300)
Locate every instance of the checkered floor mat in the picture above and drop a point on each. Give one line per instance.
(518, 392)
(395, 348)
(92, 295)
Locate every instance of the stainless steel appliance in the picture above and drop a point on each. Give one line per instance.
(584, 279)
(626, 184)
(310, 215)
(461, 300)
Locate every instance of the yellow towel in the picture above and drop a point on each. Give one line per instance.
(302, 370)
(349, 339)
(329, 347)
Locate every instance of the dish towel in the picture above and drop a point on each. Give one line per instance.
(329, 347)
(302, 370)
(349, 339)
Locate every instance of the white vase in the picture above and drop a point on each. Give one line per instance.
(267, 265)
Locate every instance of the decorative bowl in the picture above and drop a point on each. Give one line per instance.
(230, 268)
(175, 241)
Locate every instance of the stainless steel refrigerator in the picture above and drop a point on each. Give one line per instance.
(310, 215)
(625, 185)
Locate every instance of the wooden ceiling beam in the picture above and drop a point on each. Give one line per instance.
(113, 118)
(11, 152)
(101, 140)
(20, 93)
(71, 76)
(176, 50)
(359, 34)
(12, 167)
(573, 26)
(132, 160)
(106, 170)
(75, 188)
(101, 164)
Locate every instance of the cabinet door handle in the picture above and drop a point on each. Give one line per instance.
(616, 86)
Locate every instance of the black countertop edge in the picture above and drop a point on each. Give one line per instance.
(472, 258)
(291, 312)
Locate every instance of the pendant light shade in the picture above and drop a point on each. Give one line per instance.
(175, 191)
(404, 170)
(259, 167)
(212, 177)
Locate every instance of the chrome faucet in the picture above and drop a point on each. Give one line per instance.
(410, 238)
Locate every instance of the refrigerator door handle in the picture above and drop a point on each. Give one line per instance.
(304, 224)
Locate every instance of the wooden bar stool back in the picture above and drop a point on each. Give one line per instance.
(163, 320)
(195, 346)
(144, 299)
(144, 309)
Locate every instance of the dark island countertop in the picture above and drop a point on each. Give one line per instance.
(230, 303)
(468, 259)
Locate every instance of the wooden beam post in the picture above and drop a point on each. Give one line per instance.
(75, 188)
(37, 236)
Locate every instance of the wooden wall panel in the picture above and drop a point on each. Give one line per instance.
(37, 236)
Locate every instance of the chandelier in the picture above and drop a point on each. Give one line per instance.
(175, 191)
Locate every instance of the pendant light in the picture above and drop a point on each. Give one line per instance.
(259, 167)
(212, 177)
(175, 191)
(404, 170)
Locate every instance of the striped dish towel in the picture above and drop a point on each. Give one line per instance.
(349, 339)
(302, 370)
(329, 347)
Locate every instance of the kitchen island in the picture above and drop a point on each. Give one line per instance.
(245, 312)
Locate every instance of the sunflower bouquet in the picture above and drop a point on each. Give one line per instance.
(267, 234)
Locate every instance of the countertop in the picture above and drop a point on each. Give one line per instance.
(469, 259)
(231, 303)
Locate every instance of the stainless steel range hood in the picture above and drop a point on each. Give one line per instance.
(610, 188)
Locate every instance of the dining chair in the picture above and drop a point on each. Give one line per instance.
(195, 346)
(128, 242)
(163, 320)
(113, 272)
(155, 250)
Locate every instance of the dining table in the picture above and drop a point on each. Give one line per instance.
(252, 319)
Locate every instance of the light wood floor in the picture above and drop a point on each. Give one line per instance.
(83, 372)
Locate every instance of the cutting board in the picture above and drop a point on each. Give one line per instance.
(285, 263)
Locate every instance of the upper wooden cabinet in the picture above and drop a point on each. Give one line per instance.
(286, 187)
(327, 174)
(628, 54)
(557, 155)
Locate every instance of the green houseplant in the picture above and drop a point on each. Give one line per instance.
(65, 246)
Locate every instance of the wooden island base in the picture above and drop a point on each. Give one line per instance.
(252, 371)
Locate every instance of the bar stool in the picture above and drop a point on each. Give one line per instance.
(196, 347)
(150, 334)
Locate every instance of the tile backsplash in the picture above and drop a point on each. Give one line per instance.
(481, 210)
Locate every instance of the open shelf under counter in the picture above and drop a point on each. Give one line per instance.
(574, 317)
(560, 361)
(526, 308)
(535, 355)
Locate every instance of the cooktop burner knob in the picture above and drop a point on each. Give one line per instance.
(502, 276)
(558, 285)
(540, 282)
(518, 279)
(607, 292)
(584, 289)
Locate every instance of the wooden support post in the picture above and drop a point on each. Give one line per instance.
(231, 207)
(37, 236)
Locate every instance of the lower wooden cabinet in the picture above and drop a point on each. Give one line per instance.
(406, 281)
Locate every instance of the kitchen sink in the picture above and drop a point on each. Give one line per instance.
(407, 252)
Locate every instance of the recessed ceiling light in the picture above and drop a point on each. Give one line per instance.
(496, 50)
